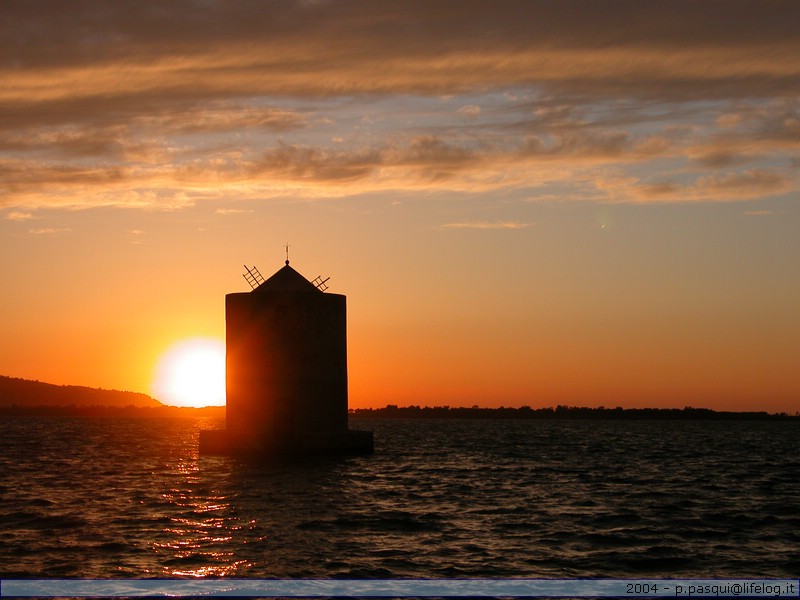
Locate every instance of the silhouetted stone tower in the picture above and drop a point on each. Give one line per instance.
(286, 370)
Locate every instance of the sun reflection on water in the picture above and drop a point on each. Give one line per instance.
(202, 526)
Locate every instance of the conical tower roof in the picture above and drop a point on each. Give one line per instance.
(286, 279)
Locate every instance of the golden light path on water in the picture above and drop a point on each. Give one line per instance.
(202, 530)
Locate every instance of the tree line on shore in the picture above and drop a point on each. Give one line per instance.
(560, 412)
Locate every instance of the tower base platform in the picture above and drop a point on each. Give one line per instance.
(221, 442)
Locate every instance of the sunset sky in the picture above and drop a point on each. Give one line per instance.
(584, 203)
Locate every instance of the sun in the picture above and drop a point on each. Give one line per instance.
(192, 373)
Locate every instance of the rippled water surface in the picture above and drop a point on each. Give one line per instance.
(100, 497)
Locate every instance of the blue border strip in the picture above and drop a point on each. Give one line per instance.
(400, 588)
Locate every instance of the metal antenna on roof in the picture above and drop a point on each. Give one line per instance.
(287, 252)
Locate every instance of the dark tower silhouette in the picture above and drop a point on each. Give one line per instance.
(286, 370)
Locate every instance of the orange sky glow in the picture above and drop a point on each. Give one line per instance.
(525, 203)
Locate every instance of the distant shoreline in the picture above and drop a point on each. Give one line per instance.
(26, 398)
(565, 413)
(559, 413)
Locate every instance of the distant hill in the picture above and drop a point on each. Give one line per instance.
(26, 393)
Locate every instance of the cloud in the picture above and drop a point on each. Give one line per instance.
(731, 186)
(659, 190)
(136, 236)
(747, 184)
(48, 230)
(239, 48)
(144, 137)
(161, 105)
(313, 164)
(224, 116)
(232, 211)
(486, 225)
(470, 110)
(416, 163)
(16, 215)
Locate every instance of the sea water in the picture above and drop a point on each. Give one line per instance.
(120, 498)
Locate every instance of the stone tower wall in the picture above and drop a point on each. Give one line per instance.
(286, 365)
